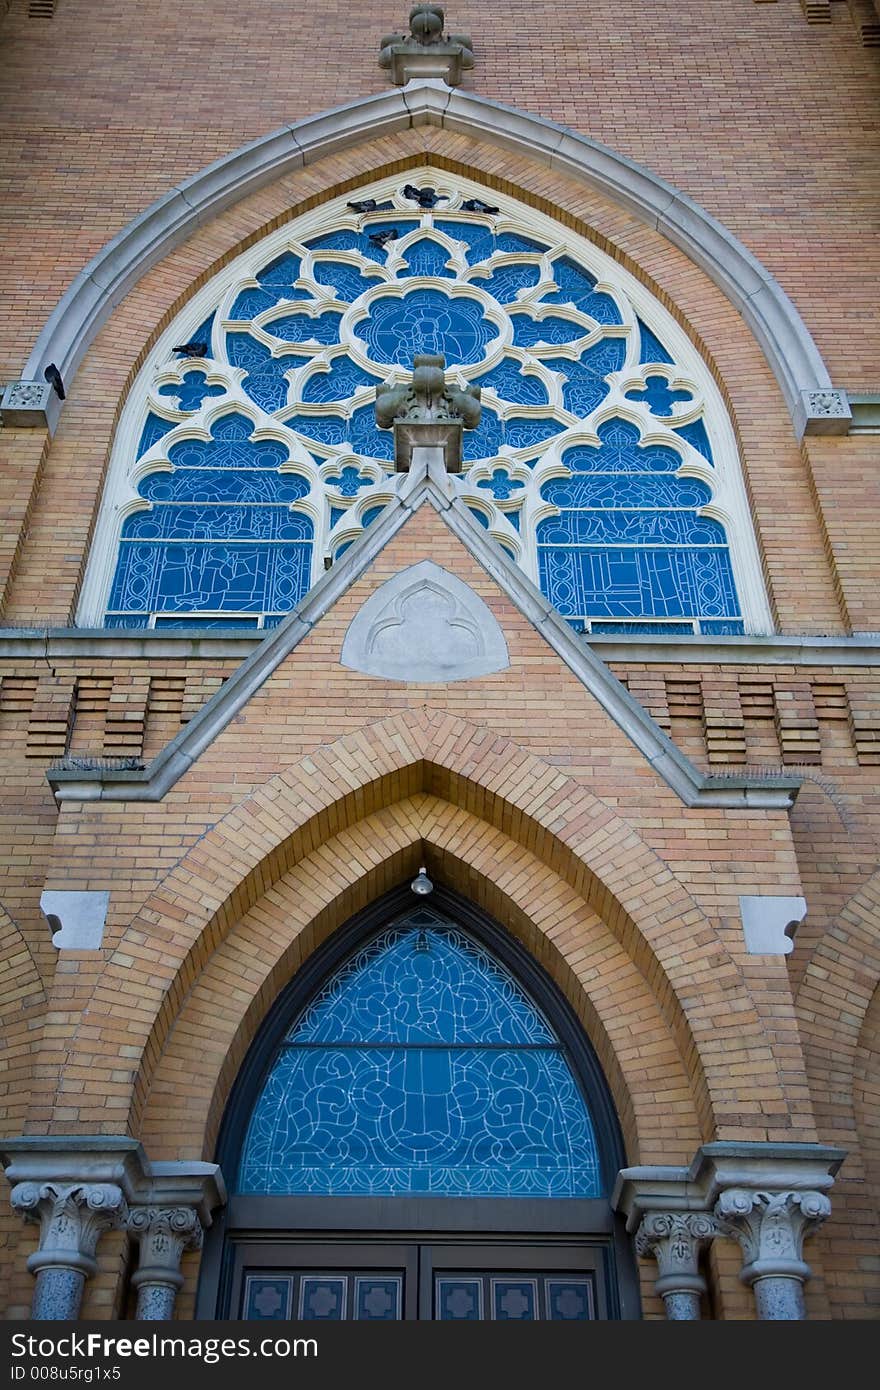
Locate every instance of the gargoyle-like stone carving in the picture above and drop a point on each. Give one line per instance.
(426, 51)
(428, 410)
(423, 626)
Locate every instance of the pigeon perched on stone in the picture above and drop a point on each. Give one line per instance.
(382, 238)
(476, 205)
(425, 197)
(191, 349)
(363, 205)
(53, 376)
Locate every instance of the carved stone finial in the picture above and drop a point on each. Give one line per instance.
(428, 410)
(426, 51)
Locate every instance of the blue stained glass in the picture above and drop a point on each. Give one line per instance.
(377, 1299)
(511, 242)
(624, 490)
(368, 248)
(630, 528)
(126, 620)
(529, 332)
(513, 385)
(346, 280)
(303, 328)
(343, 380)
(486, 439)
(360, 433)
(369, 516)
(265, 382)
(426, 257)
(267, 1299)
(478, 240)
(523, 433)
(480, 515)
(652, 350)
(578, 287)
(696, 435)
(181, 576)
(459, 1300)
(204, 333)
(501, 485)
(585, 386)
(155, 428)
(620, 452)
(223, 485)
(505, 282)
(638, 583)
(722, 629)
(230, 446)
(644, 629)
(348, 481)
(659, 396)
(191, 391)
(233, 624)
(276, 281)
(569, 1300)
(261, 523)
(426, 321)
(343, 240)
(336, 514)
(322, 1298)
(434, 1074)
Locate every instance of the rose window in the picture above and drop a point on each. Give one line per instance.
(604, 463)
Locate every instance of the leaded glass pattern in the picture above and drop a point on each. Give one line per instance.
(421, 1068)
(579, 368)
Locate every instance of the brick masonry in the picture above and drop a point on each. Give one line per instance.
(330, 786)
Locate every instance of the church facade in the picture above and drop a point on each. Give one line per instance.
(439, 710)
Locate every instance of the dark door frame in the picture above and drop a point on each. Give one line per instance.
(273, 1221)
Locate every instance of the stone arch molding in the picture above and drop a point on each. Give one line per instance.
(425, 625)
(602, 858)
(815, 406)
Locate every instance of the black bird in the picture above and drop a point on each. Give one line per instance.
(363, 205)
(475, 205)
(382, 238)
(53, 376)
(425, 197)
(191, 349)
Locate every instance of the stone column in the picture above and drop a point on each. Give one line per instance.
(162, 1233)
(771, 1228)
(675, 1239)
(72, 1219)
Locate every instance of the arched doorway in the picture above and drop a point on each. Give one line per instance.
(421, 1130)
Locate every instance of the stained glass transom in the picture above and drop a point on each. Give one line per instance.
(421, 1067)
(586, 398)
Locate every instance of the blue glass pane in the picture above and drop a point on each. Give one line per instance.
(511, 242)
(529, 332)
(569, 1300)
(276, 281)
(346, 281)
(501, 485)
(523, 433)
(322, 1298)
(621, 452)
(643, 629)
(224, 624)
(204, 334)
(722, 629)
(343, 380)
(179, 577)
(480, 516)
(696, 435)
(635, 583)
(230, 446)
(370, 515)
(378, 1299)
(578, 287)
(622, 490)
(223, 485)
(513, 385)
(426, 257)
(303, 328)
(155, 428)
(265, 382)
(131, 620)
(379, 253)
(426, 321)
(505, 283)
(652, 350)
(630, 528)
(191, 391)
(214, 522)
(658, 395)
(486, 439)
(361, 433)
(421, 1067)
(585, 386)
(348, 481)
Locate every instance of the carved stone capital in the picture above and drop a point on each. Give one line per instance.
(72, 1218)
(675, 1239)
(771, 1228)
(163, 1234)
